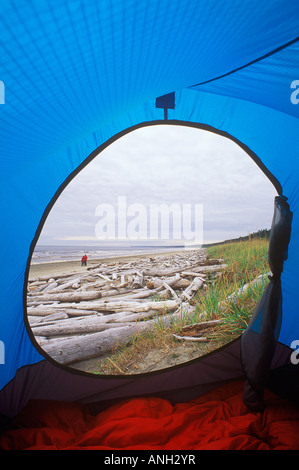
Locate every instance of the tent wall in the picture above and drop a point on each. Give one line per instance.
(259, 127)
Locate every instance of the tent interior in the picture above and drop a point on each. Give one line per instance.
(75, 77)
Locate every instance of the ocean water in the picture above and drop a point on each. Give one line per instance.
(51, 254)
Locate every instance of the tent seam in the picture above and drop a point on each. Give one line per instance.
(254, 61)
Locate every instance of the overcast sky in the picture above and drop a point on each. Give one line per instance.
(165, 164)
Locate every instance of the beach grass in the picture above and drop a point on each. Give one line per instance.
(245, 261)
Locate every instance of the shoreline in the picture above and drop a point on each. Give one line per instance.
(67, 267)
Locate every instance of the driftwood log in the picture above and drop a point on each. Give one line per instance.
(68, 297)
(74, 349)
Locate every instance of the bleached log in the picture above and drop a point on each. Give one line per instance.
(160, 272)
(209, 268)
(174, 282)
(118, 291)
(77, 312)
(196, 284)
(41, 310)
(104, 277)
(201, 339)
(36, 282)
(167, 286)
(181, 284)
(128, 294)
(51, 276)
(137, 317)
(259, 280)
(47, 318)
(137, 281)
(47, 287)
(78, 348)
(94, 284)
(32, 288)
(127, 316)
(74, 326)
(165, 294)
(32, 319)
(66, 285)
(31, 303)
(69, 296)
(133, 306)
(114, 292)
(195, 268)
(72, 310)
(156, 282)
(192, 274)
(90, 308)
(128, 297)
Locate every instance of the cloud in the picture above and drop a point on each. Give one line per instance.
(169, 164)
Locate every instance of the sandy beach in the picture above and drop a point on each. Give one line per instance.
(66, 267)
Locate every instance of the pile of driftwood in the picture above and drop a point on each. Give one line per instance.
(84, 315)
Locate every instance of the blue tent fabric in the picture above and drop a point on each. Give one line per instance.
(78, 75)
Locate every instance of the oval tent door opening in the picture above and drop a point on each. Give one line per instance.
(154, 255)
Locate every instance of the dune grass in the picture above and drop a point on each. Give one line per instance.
(245, 261)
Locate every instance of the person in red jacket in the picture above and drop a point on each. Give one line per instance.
(84, 260)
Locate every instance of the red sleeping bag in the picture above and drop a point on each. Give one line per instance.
(216, 421)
